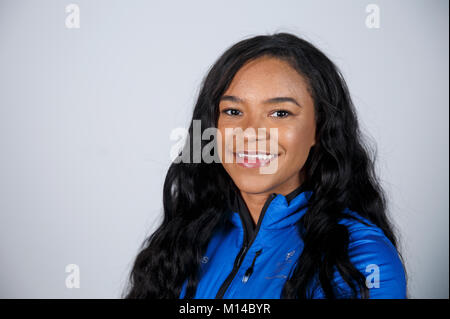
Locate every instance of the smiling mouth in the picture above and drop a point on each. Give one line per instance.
(255, 155)
(254, 159)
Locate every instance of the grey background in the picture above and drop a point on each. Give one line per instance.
(86, 114)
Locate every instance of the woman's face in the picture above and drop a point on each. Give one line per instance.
(250, 102)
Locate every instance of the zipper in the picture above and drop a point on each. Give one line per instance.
(243, 251)
(249, 271)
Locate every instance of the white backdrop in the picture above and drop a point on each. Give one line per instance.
(86, 114)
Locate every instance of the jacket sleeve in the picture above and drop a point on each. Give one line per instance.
(377, 259)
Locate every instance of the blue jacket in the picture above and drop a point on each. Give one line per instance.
(254, 262)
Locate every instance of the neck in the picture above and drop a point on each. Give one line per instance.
(256, 201)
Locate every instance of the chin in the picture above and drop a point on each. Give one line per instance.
(255, 184)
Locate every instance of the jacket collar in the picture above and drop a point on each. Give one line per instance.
(279, 211)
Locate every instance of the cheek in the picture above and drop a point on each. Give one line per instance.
(225, 134)
(221, 140)
(296, 141)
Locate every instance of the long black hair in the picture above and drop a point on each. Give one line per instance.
(339, 171)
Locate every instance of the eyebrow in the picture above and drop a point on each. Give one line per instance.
(278, 99)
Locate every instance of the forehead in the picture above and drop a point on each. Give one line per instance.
(267, 77)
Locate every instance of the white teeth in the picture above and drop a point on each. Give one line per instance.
(259, 156)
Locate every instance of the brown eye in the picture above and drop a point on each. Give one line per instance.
(281, 113)
(231, 112)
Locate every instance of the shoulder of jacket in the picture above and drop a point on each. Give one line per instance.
(372, 253)
(375, 257)
(368, 244)
(361, 228)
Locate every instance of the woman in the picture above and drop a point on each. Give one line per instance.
(314, 227)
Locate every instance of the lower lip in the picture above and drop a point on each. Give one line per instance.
(254, 162)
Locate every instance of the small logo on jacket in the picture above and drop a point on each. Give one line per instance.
(204, 259)
(289, 255)
(282, 265)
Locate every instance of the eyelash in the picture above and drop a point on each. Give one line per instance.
(231, 109)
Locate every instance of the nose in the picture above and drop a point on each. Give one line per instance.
(255, 128)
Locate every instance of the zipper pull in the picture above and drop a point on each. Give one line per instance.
(249, 271)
